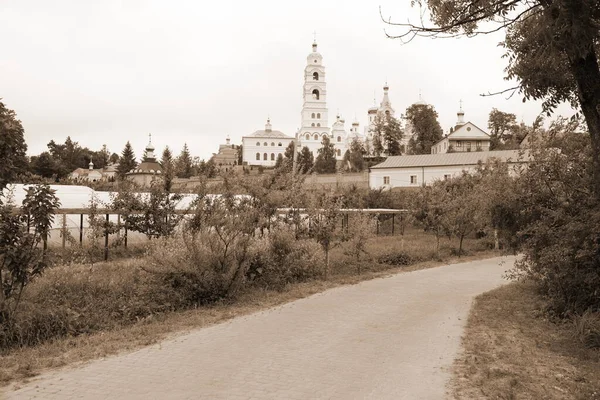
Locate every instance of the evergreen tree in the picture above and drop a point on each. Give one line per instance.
(306, 160)
(279, 163)
(13, 161)
(426, 128)
(126, 161)
(184, 163)
(325, 162)
(168, 168)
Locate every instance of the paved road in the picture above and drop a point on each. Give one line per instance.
(391, 338)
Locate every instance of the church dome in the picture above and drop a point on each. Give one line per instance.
(314, 57)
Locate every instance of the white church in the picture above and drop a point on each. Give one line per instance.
(263, 146)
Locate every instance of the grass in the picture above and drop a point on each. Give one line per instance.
(511, 351)
(18, 364)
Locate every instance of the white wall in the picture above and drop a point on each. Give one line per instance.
(250, 149)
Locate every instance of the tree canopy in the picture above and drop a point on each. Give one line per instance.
(425, 128)
(325, 162)
(126, 161)
(13, 161)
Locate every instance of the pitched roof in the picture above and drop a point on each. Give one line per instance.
(444, 159)
(269, 134)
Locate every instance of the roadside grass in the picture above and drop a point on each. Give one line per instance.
(104, 286)
(512, 351)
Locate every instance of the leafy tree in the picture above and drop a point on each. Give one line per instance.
(551, 47)
(21, 233)
(45, 166)
(279, 161)
(426, 128)
(114, 158)
(430, 210)
(13, 161)
(325, 162)
(126, 161)
(387, 134)
(168, 168)
(183, 165)
(502, 128)
(356, 155)
(240, 155)
(305, 160)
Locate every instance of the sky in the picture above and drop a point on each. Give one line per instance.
(195, 72)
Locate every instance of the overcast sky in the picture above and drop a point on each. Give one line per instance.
(104, 72)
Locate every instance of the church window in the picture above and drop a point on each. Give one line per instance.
(272, 156)
(307, 136)
(318, 124)
(313, 124)
(312, 115)
(316, 137)
(339, 138)
(315, 94)
(265, 144)
(338, 152)
(315, 76)
(265, 156)
(258, 156)
(387, 112)
(279, 144)
(318, 115)
(258, 143)
(273, 144)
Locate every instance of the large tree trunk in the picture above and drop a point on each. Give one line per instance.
(587, 74)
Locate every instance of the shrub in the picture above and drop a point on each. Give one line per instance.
(397, 258)
(279, 259)
(587, 326)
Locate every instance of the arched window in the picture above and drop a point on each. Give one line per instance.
(387, 112)
(312, 115)
(338, 152)
(265, 157)
(257, 156)
(339, 138)
(279, 144)
(316, 137)
(273, 144)
(272, 156)
(315, 94)
(315, 76)
(265, 144)
(313, 124)
(307, 136)
(258, 143)
(318, 115)
(319, 125)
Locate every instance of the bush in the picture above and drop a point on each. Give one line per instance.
(587, 326)
(397, 258)
(279, 259)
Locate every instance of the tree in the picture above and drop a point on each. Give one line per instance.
(183, 165)
(325, 162)
(387, 133)
(305, 160)
(279, 161)
(168, 168)
(127, 161)
(13, 161)
(22, 231)
(45, 166)
(426, 128)
(502, 128)
(551, 47)
(356, 155)
(114, 158)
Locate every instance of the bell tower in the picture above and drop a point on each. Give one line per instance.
(315, 123)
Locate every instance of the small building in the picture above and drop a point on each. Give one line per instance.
(88, 175)
(227, 157)
(465, 137)
(148, 170)
(264, 146)
(424, 169)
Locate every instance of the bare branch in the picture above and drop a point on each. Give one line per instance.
(513, 89)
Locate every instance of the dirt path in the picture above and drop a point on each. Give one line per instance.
(391, 338)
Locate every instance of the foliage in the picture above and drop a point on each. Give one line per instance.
(168, 168)
(360, 229)
(502, 128)
(13, 161)
(183, 164)
(325, 162)
(21, 232)
(426, 129)
(126, 161)
(386, 133)
(305, 161)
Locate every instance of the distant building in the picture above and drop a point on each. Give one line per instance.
(227, 157)
(263, 146)
(88, 175)
(148, 170)
(465, 137)
(424, 169)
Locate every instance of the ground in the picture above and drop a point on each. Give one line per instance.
(380, 339)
